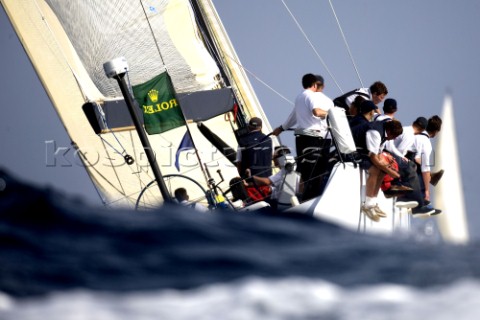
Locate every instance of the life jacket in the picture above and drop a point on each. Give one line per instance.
(387, 179)
(256, 154)
(259, 193)
(248, 194)
(357, 120)
(359, 134)
(341, 100)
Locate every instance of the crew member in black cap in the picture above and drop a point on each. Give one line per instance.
(255, 151)
(366, 113)
(389, 110)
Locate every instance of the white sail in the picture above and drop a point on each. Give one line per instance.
(69, 41)
(448, 193)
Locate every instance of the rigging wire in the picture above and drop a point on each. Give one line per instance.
(104, 120)
(153, 34)
(260, 80)
(346, 43)
(242, 67)
(311, 45)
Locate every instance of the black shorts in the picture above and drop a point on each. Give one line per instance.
(312, 155)
(365, 162)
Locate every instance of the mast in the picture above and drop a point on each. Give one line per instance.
(202, 24)
(229, 61)
(117, 69)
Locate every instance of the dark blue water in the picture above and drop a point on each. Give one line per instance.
(53, 243)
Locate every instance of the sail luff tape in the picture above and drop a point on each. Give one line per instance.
(85, 96)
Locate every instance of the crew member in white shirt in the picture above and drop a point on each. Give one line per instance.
(309, 116)
(182, 198)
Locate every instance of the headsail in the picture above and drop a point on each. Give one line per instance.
(69, 41)
(449, 191)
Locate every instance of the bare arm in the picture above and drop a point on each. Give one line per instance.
(317, 112)
(426, 180)
(277, 131)
(261, 181)
(378, 161)
(291, 120)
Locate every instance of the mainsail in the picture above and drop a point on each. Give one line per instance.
(69, 41)
(449, 191)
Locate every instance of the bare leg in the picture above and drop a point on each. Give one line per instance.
(372, 186)
(379, 181)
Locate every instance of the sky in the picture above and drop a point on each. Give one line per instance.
(419, 49)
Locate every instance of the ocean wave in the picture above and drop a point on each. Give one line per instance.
(53, 243)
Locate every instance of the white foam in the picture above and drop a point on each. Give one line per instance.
(256, 298)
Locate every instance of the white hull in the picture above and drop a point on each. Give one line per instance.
(340, 204)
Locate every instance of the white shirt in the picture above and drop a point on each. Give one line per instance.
(277, 180)
(404, 142)
(194, 205)
(381, 117)
(302, 113)
(389, 144)
(424, 151)
(374, 142)
(349, 100)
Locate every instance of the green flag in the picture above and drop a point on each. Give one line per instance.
(161, 111)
